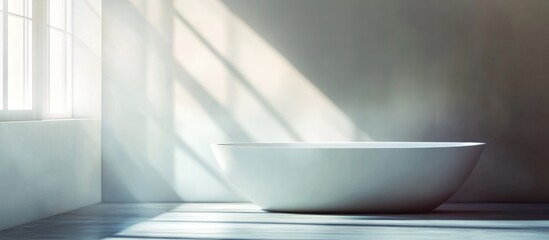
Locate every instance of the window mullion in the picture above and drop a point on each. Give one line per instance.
(5, 59)
(25, 54)
(65, 56)
(39, 61)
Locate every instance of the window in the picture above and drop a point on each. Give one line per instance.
(36, 63)
(59, 58)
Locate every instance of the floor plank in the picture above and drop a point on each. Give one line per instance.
(245, 221)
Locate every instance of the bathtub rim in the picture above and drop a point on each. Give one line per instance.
(348, 145)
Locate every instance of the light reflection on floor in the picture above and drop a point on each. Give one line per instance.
(224, 222)
(245, 221)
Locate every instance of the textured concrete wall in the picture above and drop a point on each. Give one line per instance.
(181, 74)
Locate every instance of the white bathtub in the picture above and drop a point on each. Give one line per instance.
(358, 177)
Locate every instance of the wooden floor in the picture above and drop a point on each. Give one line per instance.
(244, 221)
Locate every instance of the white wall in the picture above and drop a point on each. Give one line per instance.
(48, 167)
(53, 166)
(181, 74)
(144, 157)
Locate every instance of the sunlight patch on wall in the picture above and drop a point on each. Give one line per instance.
(193, 124)
(268, 96)
(206, 70)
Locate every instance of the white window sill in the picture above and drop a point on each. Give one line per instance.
(51, 120)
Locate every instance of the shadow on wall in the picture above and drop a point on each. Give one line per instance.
(185, 74)
(179, 75)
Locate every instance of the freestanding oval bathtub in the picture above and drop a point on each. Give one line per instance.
(357, 177)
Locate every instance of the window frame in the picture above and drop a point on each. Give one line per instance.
(40, 67)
